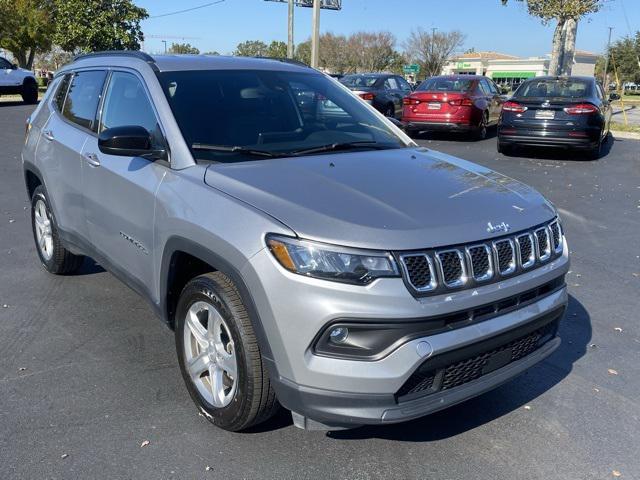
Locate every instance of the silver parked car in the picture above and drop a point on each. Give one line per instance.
(305, 256)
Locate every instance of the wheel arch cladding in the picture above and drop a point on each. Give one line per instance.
(174, 273)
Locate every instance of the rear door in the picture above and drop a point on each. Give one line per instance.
(394, 94)
(492, 96)
(72, 122)
(119, 191)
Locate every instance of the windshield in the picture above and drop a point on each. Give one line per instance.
(437, 84)
(562, 88)
(239, 115)
(353, 81)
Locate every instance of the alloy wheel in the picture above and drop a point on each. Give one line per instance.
(210, 354)
(44, 235)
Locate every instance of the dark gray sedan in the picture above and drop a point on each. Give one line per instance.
(569, 112)
(384, 91)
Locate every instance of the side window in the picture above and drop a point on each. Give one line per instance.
(83, 97)
(390, 84)
(484, 87)
(404, 85)
(4, 64)
(599, 91)
(126, 103)
(492, 87)
(61, 93)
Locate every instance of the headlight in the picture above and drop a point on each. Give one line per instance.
(330, 262)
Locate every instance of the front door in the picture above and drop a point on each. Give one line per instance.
(8, 77)
(119, 191)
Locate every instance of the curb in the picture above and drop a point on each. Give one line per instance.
(626, 135)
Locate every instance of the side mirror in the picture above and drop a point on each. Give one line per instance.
(129, 141)
(14, 66)
(614, 96)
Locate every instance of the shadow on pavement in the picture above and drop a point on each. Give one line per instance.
(561, 154)
(575, 331)
(454, 136)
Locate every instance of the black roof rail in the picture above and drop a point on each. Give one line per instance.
(292, 61)
(117, 53)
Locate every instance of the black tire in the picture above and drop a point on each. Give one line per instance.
(254, 400)
(30, 92)
(390, 111)
(61, 260)
(505, 148)
(596, 152)
(480, 132)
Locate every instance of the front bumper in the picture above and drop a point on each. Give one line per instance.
(346, 392)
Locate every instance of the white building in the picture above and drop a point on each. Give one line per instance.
(509, 70)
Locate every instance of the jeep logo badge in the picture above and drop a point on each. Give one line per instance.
(498, 227)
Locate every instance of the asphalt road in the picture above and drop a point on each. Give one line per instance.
(87, 373)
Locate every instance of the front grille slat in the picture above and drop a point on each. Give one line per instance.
(436, 271)
(452, 267)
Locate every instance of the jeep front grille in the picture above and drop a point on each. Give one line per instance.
(439, 270)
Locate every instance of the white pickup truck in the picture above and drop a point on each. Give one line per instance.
(17, 81)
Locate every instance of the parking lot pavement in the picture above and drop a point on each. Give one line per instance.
(631, 111)
(87, 373)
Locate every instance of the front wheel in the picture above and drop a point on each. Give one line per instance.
(219, 355)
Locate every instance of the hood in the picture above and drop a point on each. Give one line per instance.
(401, 199)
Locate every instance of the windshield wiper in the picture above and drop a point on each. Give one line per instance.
(341, 146)
(233, 149)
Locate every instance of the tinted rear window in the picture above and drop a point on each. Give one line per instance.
(445, 85)
(359, 80)
(563, 88)
(83, 98)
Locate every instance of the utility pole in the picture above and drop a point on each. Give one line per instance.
(315, 34)
(290, 46)
(165, 46)
(606, 63)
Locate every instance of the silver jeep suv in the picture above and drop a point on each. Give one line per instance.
(304, 250)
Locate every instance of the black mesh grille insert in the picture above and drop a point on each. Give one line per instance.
(418, 270)
(451, 266)
(426, 382)
(543, 242)
(526, 249)
(479, 261)
(505, 255)
(555, 232)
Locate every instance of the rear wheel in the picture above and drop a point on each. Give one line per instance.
(390, 111)
(30, 92)
(596, 152)
(219, 355)
(481, 130)
(53, 256)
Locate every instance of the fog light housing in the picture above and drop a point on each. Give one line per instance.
(339, 335)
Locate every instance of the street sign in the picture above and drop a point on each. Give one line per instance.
(413, 68)
(324, 4)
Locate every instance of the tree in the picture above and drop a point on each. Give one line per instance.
(183, 48)
(94, 25)
(52, 59)
(625, 56)
(277, 50)
(566, 14)
(26, 27)
(375, 51)
(251, 48)
(432, 50)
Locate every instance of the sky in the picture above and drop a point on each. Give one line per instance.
(486, 23)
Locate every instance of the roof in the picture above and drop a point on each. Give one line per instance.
(489, 55)
(164, 63)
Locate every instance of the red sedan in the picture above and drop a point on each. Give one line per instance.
(453, 103)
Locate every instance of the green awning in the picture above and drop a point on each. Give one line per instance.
(513, 74)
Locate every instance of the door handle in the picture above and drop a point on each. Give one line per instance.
(92, 159)
(48, 134)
